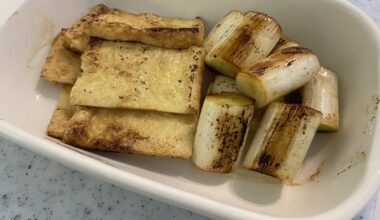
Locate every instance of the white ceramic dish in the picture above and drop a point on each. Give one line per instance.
(344, 38)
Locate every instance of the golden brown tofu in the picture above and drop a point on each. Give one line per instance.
(78, 36)
(115, 24)
(131, 131)
(139, 76)
(62, 65)
(148, 28)
(62, 114)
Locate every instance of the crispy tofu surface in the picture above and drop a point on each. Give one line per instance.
(114, 24)
(62, 65)
(132, 131)
(78, 36)
(62, 114)
(138, 76)
(148, 28)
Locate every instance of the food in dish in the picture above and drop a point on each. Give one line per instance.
(132, 131)
(62, 114)
(321, 93)
(282, 140)
(115, 24)
(244, 42)
(222, 84)
(138, 76)
(222, 131)
(132, 84)
(62, 65)
(278, 75)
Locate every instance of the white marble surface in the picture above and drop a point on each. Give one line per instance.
(32, 187)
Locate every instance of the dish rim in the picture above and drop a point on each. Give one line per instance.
(174, 196)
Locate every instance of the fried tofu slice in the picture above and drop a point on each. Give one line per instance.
(115, 24)
(62, 114)
(62, 65)
(78, 36)
(139, 76)
(148, 28)
(132, 131)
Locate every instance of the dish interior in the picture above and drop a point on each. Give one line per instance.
(338, 165)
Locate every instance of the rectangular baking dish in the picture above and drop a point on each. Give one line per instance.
(341, 170)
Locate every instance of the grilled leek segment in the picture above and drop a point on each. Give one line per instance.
(278, 75)
(321, 93)
(221, 132)
(239, 48)
(283, 43)
(223, 29)
(222, 84)
(282, 140)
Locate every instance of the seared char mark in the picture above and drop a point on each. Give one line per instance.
(295, 50)
(230, 137)
(164, 29)
(258, 69)
(280, 138)
(243, 40)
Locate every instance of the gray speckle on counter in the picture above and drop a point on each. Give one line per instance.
(370, 7)
(32, 187)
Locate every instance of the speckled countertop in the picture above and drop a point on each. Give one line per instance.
(33, 187)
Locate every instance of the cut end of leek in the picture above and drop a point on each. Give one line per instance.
(251, 85)
(321, 93)
(221, 65)
(229, 98)
(222, 84)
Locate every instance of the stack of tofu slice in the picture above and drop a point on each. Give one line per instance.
(132, 82)
(294, 97)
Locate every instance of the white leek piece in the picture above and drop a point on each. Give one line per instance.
(222, 130)
(283, 43)
(278, 75)
(223, 29)
(222, 84)
(321, 93)
(253, 39)
(282, 140)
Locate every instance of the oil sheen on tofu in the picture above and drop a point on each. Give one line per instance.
(138, 76)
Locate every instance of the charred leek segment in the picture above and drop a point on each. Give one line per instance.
(282, 140)
(321, 93)
(222, 84)
(253, 126)
(253, 39)
(283, 43)
(278, 74)
(223, 29)
(221, 132)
